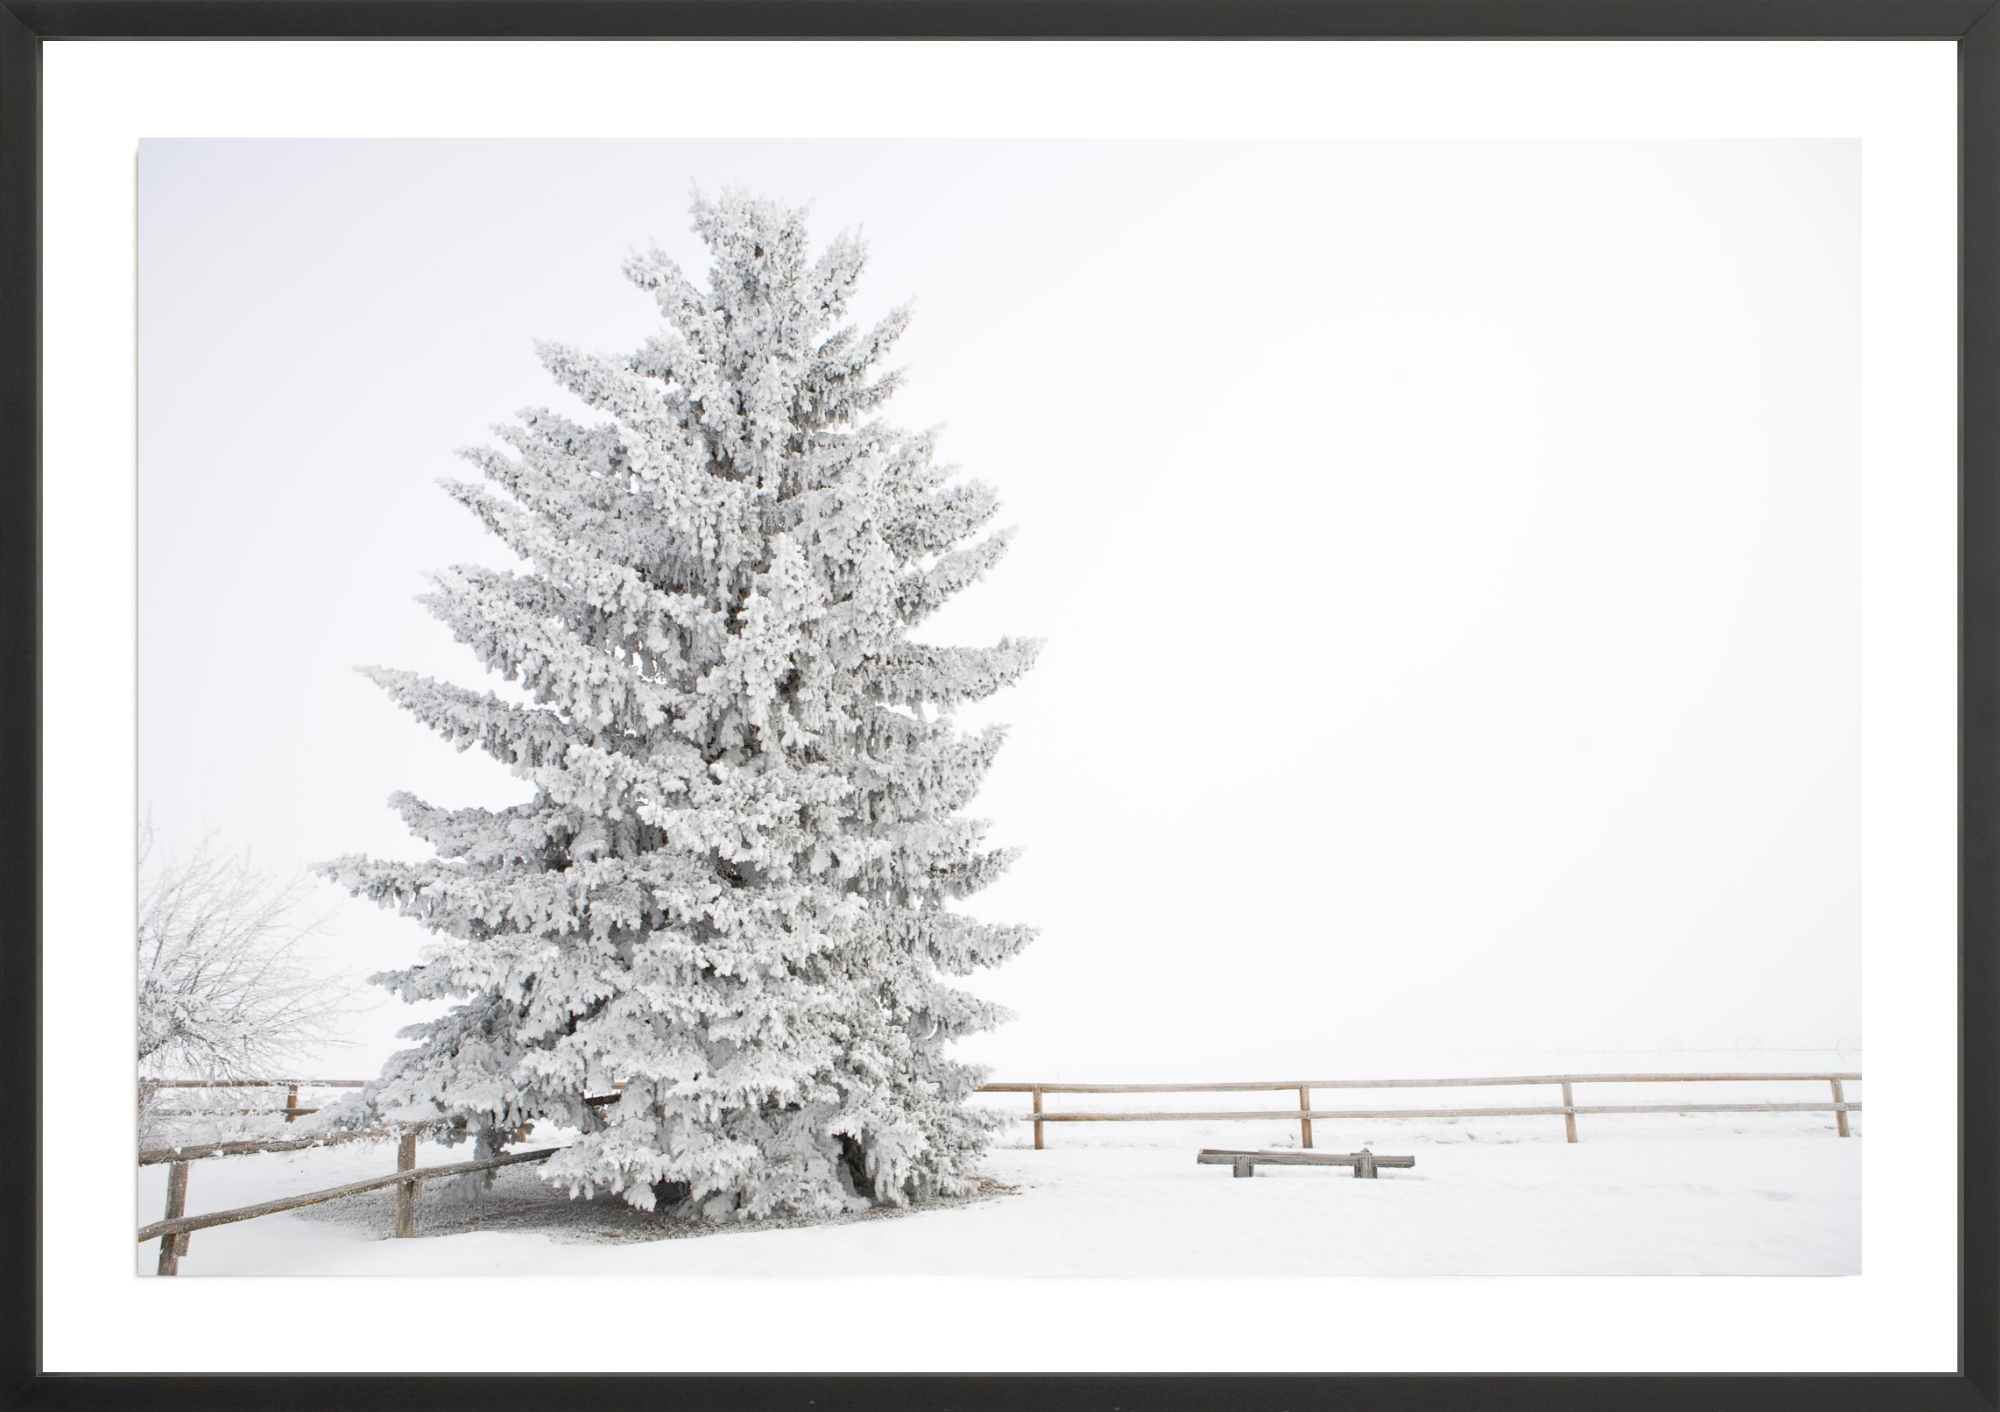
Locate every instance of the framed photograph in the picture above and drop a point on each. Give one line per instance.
(897, 683)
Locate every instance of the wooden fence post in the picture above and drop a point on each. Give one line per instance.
(1839, 1118)
(1569, 1112)
(406, 1192)
(291, 1103)
(1038, 1120)
(172, 1247)
(1305, 1124)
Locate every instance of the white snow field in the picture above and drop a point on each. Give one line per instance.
(1652, 1194)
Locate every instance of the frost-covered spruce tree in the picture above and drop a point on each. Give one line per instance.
(731, 890)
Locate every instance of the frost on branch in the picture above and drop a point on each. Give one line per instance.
(731, 890)
(227, 991)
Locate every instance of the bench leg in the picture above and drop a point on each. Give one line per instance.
(1364, 1164)
(1243, 1169)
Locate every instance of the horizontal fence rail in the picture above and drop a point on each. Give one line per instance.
(291, 1110)
(195, 1151)
(1485, 1081)
(1306, 1114)
(255, 1083)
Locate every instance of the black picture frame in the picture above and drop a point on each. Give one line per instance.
(1974, 25)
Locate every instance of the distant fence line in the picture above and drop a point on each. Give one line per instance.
(174, 1230)
(1568, 1110)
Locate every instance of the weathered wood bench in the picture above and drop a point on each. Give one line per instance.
(1245, 1164)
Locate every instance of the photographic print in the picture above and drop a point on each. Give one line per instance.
(1012, 708)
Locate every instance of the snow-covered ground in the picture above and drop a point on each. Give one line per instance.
(1708, 1194)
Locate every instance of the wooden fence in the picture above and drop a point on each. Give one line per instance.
(1568, 1110)
(408, 1178)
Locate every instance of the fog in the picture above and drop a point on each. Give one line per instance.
(1448, 555)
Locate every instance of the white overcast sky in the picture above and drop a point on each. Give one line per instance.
(1448, 554)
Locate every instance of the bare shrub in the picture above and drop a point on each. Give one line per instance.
(226, 989)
